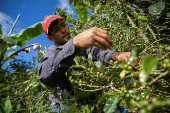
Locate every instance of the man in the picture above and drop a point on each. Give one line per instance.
(59, 57)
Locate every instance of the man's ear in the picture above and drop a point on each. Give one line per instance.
(50, 38)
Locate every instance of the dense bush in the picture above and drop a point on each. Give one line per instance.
(143, 88)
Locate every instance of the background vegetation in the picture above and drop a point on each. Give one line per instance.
(141, 27)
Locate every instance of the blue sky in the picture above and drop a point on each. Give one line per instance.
(31, 12)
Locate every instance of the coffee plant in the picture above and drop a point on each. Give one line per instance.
(143, 88)
(137, 26)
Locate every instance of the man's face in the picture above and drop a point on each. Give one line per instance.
(59, 32)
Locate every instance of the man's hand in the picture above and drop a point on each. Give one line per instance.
(93, 37)
(120, 56)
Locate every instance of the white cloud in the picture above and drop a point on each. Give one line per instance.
(6, 21)
(64, 4)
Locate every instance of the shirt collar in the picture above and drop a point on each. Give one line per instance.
(58, 46)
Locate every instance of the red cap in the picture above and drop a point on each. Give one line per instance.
(47, 21)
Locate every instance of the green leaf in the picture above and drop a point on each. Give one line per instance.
(40, 54)
(1, 33)
(91, 109)
(168, 48)
(75, 2)
(168, 14)
(81, 10)
(70, 2)
(156, 9)
(142, 18)
(129, 103)
(77, 60)
(66, 39)
(134, 53)
(111, 104)
(86, 109)
(6, 105)
(82, 94)
(8, 40)
(77, 66)
(3, 49)
(1, 76)
(33, 85)
(7, 66)
(90, 56)
(146, 93)
(127, 80)
(9, 54)
(28, 33)
(101, 99)
(62, 111)
(72, 108)
(148, 64)
(26, 81)
(98, 64)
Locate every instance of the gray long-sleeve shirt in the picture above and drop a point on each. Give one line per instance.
(58, 58)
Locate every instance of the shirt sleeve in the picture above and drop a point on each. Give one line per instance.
(104, 56)
(55, 63)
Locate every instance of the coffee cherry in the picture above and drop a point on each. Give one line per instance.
(123, 89)
(125, 66)
(127, 95)
(134, 97)
(149, 107)
(111, 61)
(129, 68)
(71, 80)
(132, 74)
(114, 67)
(164, 65)
(166, 61)
(116, 62)
(137, 98)
(80, 81)
(168, 65)
(161, 46)
(144, 103)
(143, 111)
(154, 50)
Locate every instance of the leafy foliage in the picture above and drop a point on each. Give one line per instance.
(143, 88)
(28, 33)
(111, 104)
(156, 8)
(5, 105)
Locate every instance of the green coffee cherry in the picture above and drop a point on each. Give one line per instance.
(129, 68)
(168, 65)
(143, 111)
(166, 61)
(111, 61)
(144, 103)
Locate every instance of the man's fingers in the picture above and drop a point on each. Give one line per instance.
(102, 41)
(110, 40)
(99, 45)
(104, 34)
(100, 30)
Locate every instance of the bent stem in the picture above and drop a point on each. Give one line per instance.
(13, 25)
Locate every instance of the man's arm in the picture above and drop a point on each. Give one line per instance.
(54, 64)
(99, 38)
(52, 68)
